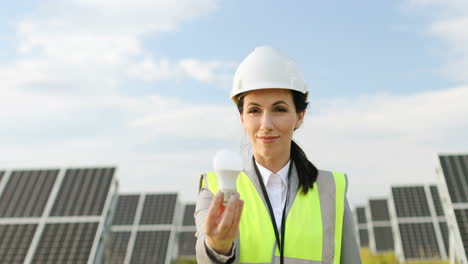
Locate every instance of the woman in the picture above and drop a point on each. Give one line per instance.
(286, 210)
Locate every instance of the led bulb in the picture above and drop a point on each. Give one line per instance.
(227, 165)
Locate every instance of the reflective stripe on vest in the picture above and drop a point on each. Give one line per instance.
(313, 224)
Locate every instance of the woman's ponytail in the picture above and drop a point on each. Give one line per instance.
(306, 171)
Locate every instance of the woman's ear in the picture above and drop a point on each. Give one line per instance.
(300, 119)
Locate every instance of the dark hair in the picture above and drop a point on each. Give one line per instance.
(306, 171)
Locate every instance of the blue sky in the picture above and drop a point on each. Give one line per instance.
(144, 85)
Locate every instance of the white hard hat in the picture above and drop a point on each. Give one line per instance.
(266, 68)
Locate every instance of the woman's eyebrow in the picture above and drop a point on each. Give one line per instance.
(280, 102)
(254, 104)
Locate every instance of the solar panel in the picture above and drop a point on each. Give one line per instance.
(117, 249)
(436, 199)
(410, 201)
(361, 215)
(125, 209)
(461, 216)
(66, 243)
(454, 182)
(363, 237)
(158, 209)
(455, 170)
(189, 219)
(419, 241)
(379, 210)
(15, 241)
(383, 238)
(83, 192)
(445, 235)
(187, 241)
(26, 193)
(150, 247)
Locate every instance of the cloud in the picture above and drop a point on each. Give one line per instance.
(379, 140)
(449, 23)
(98, 46)
(216, 72)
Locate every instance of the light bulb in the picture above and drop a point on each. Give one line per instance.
(227, 165)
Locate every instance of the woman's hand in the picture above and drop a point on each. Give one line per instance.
(222, 223)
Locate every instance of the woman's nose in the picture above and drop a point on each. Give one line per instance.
(266, 122)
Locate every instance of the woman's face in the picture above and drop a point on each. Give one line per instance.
(269, 118)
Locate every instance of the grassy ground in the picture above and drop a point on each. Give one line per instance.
(366, 256)
(388, 258)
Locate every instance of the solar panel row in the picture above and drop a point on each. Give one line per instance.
(445, 235)
(361, 215)
(15, 241)
(51, 239)
(188, 219)
(410, 201)
(437, 202)
(379, 210)
(26, 193)
(454, 178)
(117, 249)
(81, 192)
(461, 216)
(66, 243)
(150, 247)
(363, 237)
(158, 209)
(125, 210)
(131, 236)
(455, 169)
(419, 241)
(383, 236)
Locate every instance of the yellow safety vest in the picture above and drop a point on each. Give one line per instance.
(313, 225)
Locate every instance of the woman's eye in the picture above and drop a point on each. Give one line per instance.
(253, 110)
(281, 109)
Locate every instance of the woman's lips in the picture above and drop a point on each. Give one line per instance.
(267, 140)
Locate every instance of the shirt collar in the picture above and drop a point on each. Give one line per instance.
(266, 173)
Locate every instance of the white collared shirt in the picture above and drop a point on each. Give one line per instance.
(277, 189)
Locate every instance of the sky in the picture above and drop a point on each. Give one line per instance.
(144, 85)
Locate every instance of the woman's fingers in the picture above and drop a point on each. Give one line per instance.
(228, 214)
(211, 218)
(236, 221)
